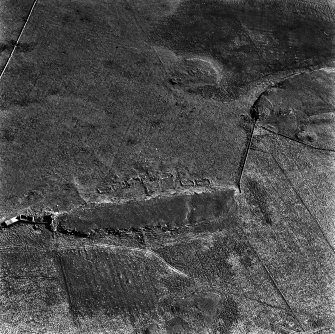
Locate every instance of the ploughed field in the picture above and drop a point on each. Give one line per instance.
(180, 156)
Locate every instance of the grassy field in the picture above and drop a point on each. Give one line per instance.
(185, 149)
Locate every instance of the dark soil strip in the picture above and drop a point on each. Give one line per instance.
(67, 289)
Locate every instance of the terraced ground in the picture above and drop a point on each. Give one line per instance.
(180, 156)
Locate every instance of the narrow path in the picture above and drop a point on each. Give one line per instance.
(18, 39)
(254, 114)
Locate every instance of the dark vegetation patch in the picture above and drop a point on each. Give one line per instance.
(77, 14)
(301, 108)
(172, 212)
(134, 66)
(115, 282)
(8, 134)
(25, 47)
(131, 141)
(122, 69)
(3, 47)
(210, 92)
(152, 329)
(25, 100)
(322, 121)
(251, 39)
(196, 310)
(310, 93)
(21, 47)
(155, 122)
(244, 253)
(22, 78)
(259, 198)
(177, 325)
(227, 315)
